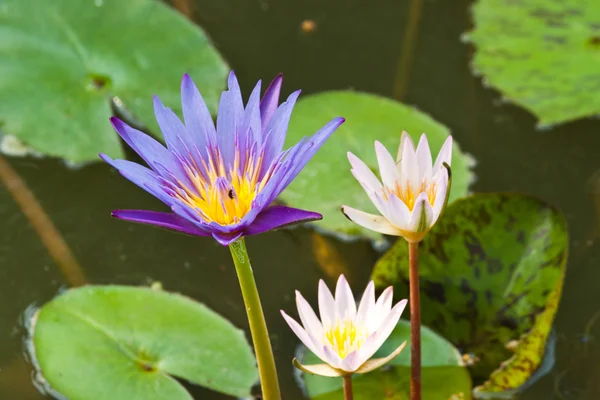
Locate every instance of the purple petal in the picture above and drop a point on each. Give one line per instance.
(276, 217)
(151, 151)
(141, 176)
(164, 220)
(251, 131)
(275, 131)
(229, 118)
(270, 100)
(196, 115)
(226, 238)
(297, 158)
(177, 136)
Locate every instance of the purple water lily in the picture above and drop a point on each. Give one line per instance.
(222, 181)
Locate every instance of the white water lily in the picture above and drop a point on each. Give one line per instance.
(412, 193)
(345, 337)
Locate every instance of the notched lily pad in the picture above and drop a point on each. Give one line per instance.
(444, 375)
(491, 276)
(119, 342)
(542, 55)
(326, 183)
(63, 62)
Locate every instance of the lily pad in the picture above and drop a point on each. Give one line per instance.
(542, 55)
(443, 372)
(491, 276)
(63, 62)
(119, 342)
(326, 183)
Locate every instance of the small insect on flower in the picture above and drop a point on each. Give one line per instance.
(346, 337)
(411, 195)
(222, 181)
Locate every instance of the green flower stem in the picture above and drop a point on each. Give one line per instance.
(258, 326)
(348, 387)
(415, 322)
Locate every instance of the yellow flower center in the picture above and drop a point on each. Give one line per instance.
(408, 196)
(344, 337)
(221, 195)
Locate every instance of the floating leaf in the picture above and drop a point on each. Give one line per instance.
(118, 342)
(443, 373)
(327, 183)
(491, 273)
(62, 62)
(542, 55)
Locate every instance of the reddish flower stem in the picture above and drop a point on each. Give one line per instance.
(348, 387)
(415, 322)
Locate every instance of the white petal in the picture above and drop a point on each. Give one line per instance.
(304, 336)
(326, 305)
(409, 170)
(363, 173)
(344, 299)
(374, 342)
(403, 138)
(331, 357)
(375, 363)
(387, 166)
(308, 317)
(382, 203)
(352, 362)
(424, 159)
(367, 304)
(382, 309)
(444, 156)
(319, 369)
(398, 212)
(422, 215)
(441, 186)
(376, 197)
(373, 222)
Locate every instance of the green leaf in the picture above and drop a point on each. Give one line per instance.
(443, 372)
(491, 273)
(326, 183)
(542, 55)
(118, 342)
(62, 63)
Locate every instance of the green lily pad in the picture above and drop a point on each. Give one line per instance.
(491, 274)
(119, 342)
(443, 372)
(542, 55)
(326, 183)
(63, 62)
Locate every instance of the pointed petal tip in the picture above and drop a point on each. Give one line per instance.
(105, 158)
(343, 210)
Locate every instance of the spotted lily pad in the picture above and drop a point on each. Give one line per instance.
(443, 373)
(63, 62)
(326, 182)
(491, 276)
(542, 55)
(118, 342)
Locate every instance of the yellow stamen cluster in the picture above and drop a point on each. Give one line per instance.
(345, 337)
(408, 196)
(221, 195)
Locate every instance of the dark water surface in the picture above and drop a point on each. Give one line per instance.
(354, 44)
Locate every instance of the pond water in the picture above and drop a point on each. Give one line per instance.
(346, 44)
